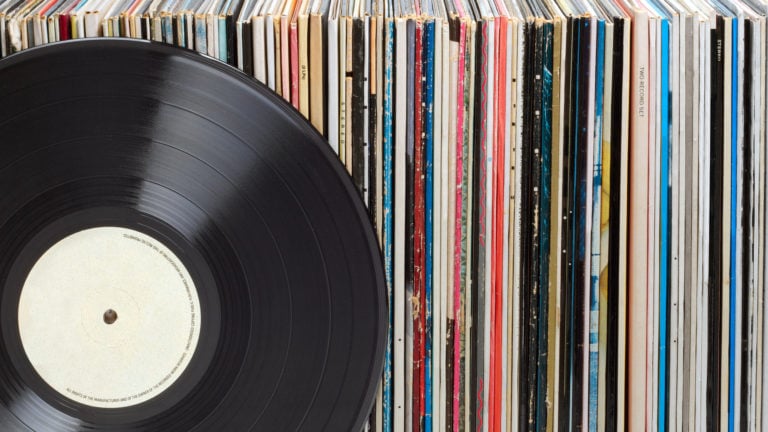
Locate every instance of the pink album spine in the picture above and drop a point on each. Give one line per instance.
(285, 57)
(294, 64)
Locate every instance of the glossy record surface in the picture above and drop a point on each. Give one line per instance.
(187, 150)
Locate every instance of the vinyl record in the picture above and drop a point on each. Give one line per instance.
(179, 250)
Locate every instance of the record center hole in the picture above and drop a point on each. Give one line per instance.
(110, 316)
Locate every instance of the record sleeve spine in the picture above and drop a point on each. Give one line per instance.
(638, 234)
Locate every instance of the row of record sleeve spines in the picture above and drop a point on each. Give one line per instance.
(379, 125)
(180, 23)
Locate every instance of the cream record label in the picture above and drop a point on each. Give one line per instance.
(128, 304)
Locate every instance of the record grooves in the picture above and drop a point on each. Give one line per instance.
(188, 152)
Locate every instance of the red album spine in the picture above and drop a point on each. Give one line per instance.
(64, 26)
(497, 265)
(47, 7)
(418, 239)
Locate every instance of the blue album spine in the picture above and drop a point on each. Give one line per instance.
(223, 39)
(201, 38)
(429, 100)
(665, 214)
(388, 235)
(732, 331)
(167, 27)
(597, 184)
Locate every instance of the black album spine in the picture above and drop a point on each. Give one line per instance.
(146, 27)
(173, 22)
(358, 105)
(247, 43)
(231, 33)
(580, 214)
(614, 283)
(527, 314)
(535, 223)
(569, 198)
(715, 227)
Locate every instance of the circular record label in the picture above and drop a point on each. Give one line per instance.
(109, 317)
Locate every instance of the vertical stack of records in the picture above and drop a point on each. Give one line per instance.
(570, 195)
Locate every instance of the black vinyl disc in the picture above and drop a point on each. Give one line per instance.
(145, 138)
